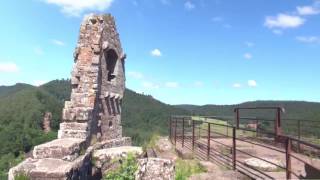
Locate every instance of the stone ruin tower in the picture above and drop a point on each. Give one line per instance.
(92, 118)
(98, 83)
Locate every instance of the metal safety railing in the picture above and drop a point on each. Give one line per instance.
(218, 142)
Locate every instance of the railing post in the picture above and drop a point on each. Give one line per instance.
(257, 127)
(183, 132)
(288, 158)
(277, 123)
(237, 118)
(170, 129)
(192, 134)
(299, 135)
(208, 144)
(175, 132)
(234, 148)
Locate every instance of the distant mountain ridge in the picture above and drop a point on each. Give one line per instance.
(293, 109)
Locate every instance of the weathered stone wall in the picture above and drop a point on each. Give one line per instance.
(98, 83)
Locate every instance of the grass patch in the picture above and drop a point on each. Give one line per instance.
(186, 168)
(22, 176)
(152, 143)
(126, 170)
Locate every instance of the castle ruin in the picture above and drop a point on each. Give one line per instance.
(92, 118)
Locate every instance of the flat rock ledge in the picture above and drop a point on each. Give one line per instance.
(155, 169)
(102, 158)
(66, 149)
(49, 168)
(263, 165)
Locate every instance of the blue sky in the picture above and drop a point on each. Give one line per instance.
(179, 51)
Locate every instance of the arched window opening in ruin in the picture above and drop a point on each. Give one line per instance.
(110, 124)
(111, 61)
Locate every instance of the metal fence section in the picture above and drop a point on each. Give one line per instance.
(230, 145)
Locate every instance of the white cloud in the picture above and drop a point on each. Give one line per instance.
(277, 32)
(252, 83)
(165, 2)
(217, 19)
(236, 85)
(135, 75)
(156, 52)
(198, 84)
(171, 84)
(38, 51)
(307, 10)
(57, 42)
(247, 56)
(135, 3)
(39, 82)
(77, 7)
(189, 5)
(308, 39)
(228, 26)
(8, 67)
(149, 85)
(283, 21)
(249, 44)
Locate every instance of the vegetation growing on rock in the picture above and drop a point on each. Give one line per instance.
(126, 170)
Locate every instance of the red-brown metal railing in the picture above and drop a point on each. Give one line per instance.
(192, 136)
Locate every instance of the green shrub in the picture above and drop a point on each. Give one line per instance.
(185, 168)
(126, 170)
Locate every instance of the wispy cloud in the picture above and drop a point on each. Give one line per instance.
(77, 7)
(57, 42)
(283, 21)
(252, 83)
(247, 56)
(8, 67)
(227, 26)
(236, 85)
(171, 84)
(308, 39)
(198, 84)
(189, 5)
(135, 75)
(249, 44)
(165, 2)
(39, 82)
(135, 3)
(156, 52)
(217, 19)
(307, 10)
(38, 51)
(277, 32)
(149, 85)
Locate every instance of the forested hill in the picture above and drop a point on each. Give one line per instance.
(22, 107)
(292, 109)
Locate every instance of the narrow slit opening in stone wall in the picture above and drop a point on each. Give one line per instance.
(111, 58)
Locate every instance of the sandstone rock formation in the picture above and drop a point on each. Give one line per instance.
(47, 121)
(155, 169)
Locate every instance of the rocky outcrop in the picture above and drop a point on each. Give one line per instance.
(46, 122)
(155, 169)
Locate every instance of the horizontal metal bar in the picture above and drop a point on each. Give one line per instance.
(275, 107)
